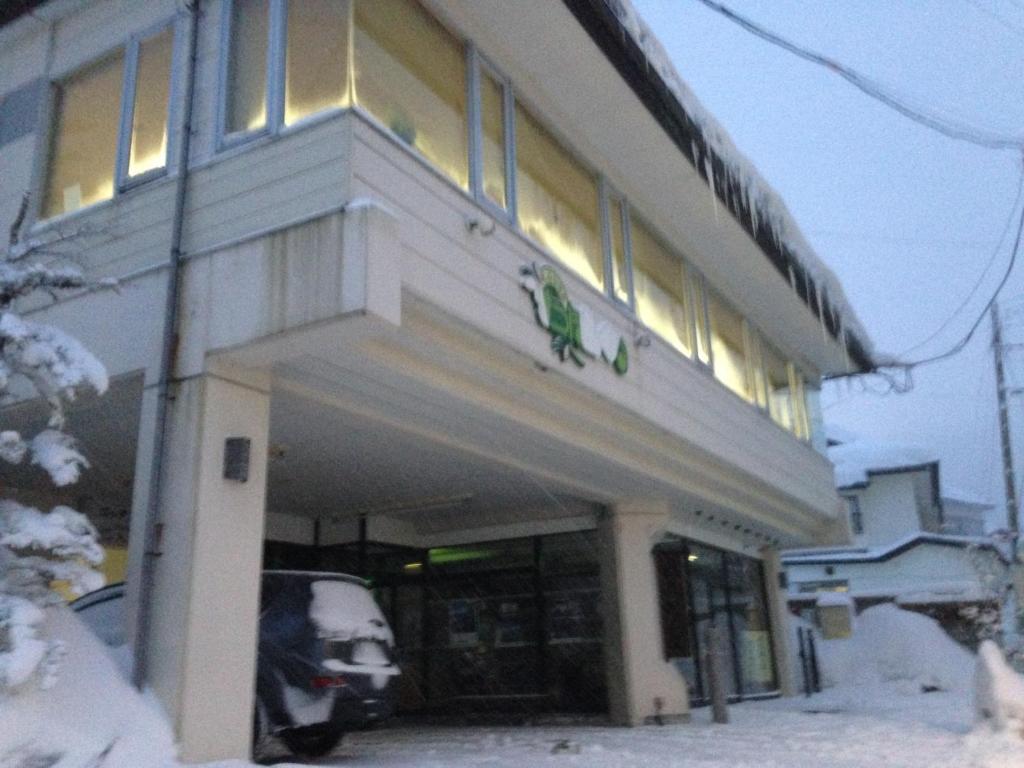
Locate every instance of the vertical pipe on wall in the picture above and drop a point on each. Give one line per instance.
(151, 522)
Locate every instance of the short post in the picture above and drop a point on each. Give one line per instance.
(713, 640)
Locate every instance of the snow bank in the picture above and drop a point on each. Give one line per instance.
(998, 691)
(88, 712)
(890, 645)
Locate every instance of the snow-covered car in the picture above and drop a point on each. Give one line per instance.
(326, 656)
(326, 660)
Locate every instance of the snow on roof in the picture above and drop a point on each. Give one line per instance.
(853, 460)
(761, 198)
(872, 554)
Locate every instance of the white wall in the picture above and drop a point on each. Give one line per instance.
(889, 509)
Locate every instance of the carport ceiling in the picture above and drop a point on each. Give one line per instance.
(329, 461)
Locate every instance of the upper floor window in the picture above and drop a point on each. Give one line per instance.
(245, 109)
(728, 347)
(557, 201)
(780, 406)
(110, 125)
(317, 52)
(660, 288)
(410, 73)
(83, 160)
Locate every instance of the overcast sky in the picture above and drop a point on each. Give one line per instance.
(906, 218)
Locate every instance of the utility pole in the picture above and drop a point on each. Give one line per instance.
(1002, 393)
(1014, 595)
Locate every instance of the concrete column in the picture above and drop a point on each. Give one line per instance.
(638, 673)
(205, 612)
(778, 616)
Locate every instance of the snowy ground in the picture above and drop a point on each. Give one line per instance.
(874, 716)
(930, 730)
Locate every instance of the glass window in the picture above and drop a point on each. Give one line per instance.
(777, 380)
(84, 152)
(620, 269)
(492, 114)
(659, 283)
(727, 347)
(246, 108)
(410, 73)
(755, 361)
(148, 143)
(316, 63)
(750, 622)
(557, 203)
(801, 422)
(701, 335)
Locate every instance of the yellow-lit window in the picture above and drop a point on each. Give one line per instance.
(84, 154)
(801, 419)
(556, 201)
(729, 357)
(492, 116)
(701, 335)
(777, 375)
(148, 143)
(755, 365)
(618, 245)
(246, 108)
(410, 73)
(659, 284)
(316, 60)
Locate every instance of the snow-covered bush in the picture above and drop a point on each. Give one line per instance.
(998, 691)
(37, 547)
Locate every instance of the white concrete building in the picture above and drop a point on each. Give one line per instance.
(911, 544)
(478, 302)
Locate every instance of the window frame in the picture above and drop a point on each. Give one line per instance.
(606, 196)
(274, 89)
(478, 65)
(123, 181)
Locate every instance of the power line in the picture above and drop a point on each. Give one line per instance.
(944, 125)
(981, 278)
(970, 334)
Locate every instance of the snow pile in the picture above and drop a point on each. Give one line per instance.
(89, 711)
(855, 458)
(892, 646)
(761, 199)
(998, 692)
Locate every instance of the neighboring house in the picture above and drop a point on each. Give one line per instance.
(470, 298)
(911, 545)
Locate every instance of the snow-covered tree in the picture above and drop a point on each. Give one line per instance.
(37, 547)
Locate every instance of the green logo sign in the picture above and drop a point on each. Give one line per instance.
(576, 332)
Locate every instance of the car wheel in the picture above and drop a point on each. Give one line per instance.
(311, 743)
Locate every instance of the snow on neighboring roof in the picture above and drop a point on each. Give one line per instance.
(761, 198)
(854, 459)
(872, 554)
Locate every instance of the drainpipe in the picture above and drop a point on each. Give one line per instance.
(152, 525)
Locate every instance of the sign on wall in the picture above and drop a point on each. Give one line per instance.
(576, 331)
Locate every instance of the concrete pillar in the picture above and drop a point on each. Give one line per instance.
(778, 616)
(638, 673)
(205, 611)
